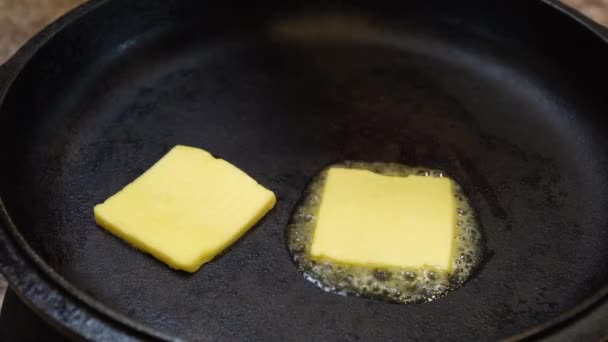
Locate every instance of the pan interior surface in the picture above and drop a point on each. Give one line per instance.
(282, 94)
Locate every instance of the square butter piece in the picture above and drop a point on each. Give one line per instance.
(186, 208)
(375, 220)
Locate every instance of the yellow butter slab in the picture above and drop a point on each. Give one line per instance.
(384, 221)
(186, 208)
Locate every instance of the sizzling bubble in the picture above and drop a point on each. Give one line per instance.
(402, 285)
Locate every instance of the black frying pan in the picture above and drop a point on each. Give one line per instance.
(508, 97)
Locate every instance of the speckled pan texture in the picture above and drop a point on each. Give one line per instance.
(21, 19)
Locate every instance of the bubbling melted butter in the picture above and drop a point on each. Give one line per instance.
(401, 285)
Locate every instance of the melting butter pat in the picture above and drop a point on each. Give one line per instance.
(370, 219)
(186, 208)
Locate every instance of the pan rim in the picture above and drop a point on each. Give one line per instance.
(11, 238)
(41, 269)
